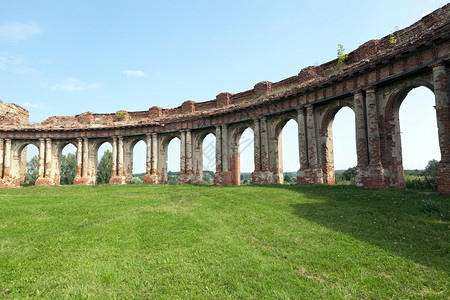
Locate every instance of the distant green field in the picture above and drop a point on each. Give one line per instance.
(186, 241)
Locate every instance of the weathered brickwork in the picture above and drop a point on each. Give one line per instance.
(373, 83)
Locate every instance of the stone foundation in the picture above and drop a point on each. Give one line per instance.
(309, 176)
(370, 176)
(443, 177)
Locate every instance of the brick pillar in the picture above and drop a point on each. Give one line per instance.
(82, 162)
(41, 165)
(148, 154)
(114, 157)
(264, 144)
(45, 163)
(218, 149)
(374, 172)
(8, 180)
(189, 163)
(360, 128)
(261, 174)
(311, 137)
(1, 158)
(120, 157)
(362, 150)
(312, 174)
(183, 153)
(79, 157)
(7, 160)
(225, 161)
(48, 158)
(85, 158)
(257, 145)
(154, 154)
(151, 159)
(223, 175)
(442, 99)
(302, 145)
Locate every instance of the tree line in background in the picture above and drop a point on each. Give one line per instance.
(421, 180)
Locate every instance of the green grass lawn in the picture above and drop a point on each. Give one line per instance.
(302, 242)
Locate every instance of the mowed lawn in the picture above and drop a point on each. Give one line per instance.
(292, 242)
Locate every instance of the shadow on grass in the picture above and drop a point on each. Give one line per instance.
(400, 222)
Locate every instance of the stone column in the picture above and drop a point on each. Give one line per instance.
(48, 158)
(120, 157)
(441, 94)
(189, 163)
(264, 144)
(362, 148)
(312, 174)
(1, 158)
(311, 137)
(41, 167)
(218, 149)
(114, 157)
(372, 176)
(257, 145)
(373, 135)
(360, 128)
(225, 161)
(7, 161)
(85, 158)
(154, 154)
(183, 153)
(302, 142)
(151, 159)
(148, 154)
(79, 157)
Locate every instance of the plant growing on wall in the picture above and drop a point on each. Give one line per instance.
(120, 114)
(342, 57)
(392, 39)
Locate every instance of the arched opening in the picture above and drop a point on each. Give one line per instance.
(173, 160)
(208, 164)
(139, 162)
(246, 156)
(419, 139)
(67, 159)
(104, 163)
(29, 161)
(343, 152)
(288, 155)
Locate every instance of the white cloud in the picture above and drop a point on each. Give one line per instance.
(19, 31)
(14, 64)
(75, 84)
(134, 73)
(32, 105)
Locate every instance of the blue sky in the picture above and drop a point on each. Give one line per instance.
(64, 58)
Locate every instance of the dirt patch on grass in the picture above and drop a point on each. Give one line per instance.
(302, 271)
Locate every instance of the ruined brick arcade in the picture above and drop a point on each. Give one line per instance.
(373, 83)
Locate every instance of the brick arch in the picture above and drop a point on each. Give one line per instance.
(57, 157)
(399, 94)
(391, 125)
(20, 156)
(93, 157)
(278, 123)
(129, 145)
(236, 131)
(326, 137)
(198, 139)
(163, 154)
(332, 110)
